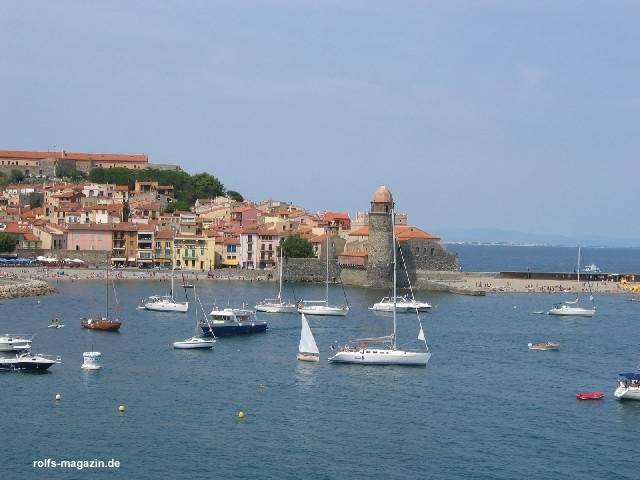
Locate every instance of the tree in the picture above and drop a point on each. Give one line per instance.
(233, 195)
(16, 175)
(7, 242)
(76, 175)
(178, 205)
(297, 247)
(35, 200)
(206, 186)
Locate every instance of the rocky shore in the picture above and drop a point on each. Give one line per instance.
(21, 288)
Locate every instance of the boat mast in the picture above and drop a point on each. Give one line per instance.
(106, 287)
(326, 293)
(579, 266)
(173, 269)
(393, 239)
(280, 291)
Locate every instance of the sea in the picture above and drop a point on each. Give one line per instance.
(485, 407)
(501, 258)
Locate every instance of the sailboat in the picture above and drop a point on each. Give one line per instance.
(195, 341)
(166, 303)
(307, 349)
(104, 323)
(322, 307)
(573, 308)
(277, 305)
(363, 352)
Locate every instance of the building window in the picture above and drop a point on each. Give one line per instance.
(432, 250)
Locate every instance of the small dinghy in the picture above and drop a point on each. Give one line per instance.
(590, 395)
(194, 342)
(544, 346)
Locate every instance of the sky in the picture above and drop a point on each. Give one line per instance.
(478, 115)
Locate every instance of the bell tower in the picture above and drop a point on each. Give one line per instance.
(380, 253)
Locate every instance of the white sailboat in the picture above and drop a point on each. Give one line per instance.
(307, 349)
(196, 342)
(322, 307)
(166, 303)
(573, 308)
(387, 353)
(277, 305)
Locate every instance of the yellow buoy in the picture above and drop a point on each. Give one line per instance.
(58, 396)
(121, 409)
(240, 414)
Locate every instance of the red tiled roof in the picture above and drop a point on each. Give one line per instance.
(336, 216)
(30, 237)
(403, 232)
(166, 234)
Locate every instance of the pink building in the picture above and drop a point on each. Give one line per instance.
(89, 237)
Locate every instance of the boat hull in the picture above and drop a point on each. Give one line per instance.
(324, 311)
(627, 393)
(308, 357)
(167, 307)
(229, 330)
(15, 347)
(382, 357)
(104, 325)
(274, 308)
(572, 312)
(378, 307)
(193, 346)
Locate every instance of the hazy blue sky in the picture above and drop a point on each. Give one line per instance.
(495, 114)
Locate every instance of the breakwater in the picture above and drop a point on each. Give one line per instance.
(29, 288)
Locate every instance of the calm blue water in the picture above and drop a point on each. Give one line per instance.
(484, 407)
(497, 258)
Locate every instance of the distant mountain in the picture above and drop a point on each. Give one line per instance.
(515, 237)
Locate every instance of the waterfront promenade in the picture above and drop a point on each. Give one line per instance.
(456, 281)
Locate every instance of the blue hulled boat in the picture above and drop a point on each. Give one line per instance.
(231, 321)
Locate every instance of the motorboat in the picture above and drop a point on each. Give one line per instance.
(197, 342)
(417, 304)
(320, 307)
(307, 348)
(15, 343)
(91, 361)
(29, 361)
(571, 309)
(597, 395)
(384, 350)
(187, 285)
(194, 343)
(593, 268)
(166, 303)
(628, 387)
(231, 321)
(544, 346)
(277, 305)
(386, 305)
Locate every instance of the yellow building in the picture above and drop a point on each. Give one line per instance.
(194, 252)
(163, 248)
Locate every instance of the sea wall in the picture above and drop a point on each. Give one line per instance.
(92, 258)
(30, 288)
(309, 270)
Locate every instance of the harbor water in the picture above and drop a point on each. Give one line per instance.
(484, 407)
(501, 258)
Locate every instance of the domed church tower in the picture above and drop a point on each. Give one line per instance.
(380, 244)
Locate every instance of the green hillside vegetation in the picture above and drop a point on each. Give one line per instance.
(187, 187)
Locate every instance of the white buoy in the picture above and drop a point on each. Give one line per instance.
(91, 360)
(58, 396)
